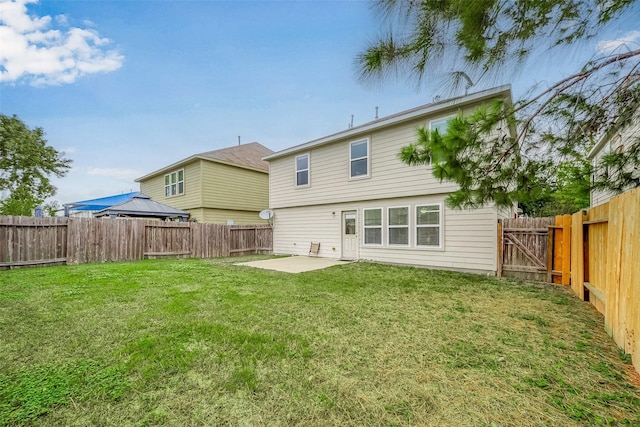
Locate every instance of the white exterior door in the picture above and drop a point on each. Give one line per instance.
(349, 235)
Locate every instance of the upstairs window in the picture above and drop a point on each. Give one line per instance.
(440, 124)
(359, 158)
(174, 183)
(429, 226)
(398, 226)
(302, 170)
(373, 226)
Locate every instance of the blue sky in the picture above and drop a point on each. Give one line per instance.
(127, 87)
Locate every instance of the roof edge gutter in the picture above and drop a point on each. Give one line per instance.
(395, 119)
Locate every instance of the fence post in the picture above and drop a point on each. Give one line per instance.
(577, 254)
(500, 249)
(566, 249)
(561, 251)
(550, 253)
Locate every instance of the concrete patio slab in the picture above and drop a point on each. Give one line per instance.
(294, 264)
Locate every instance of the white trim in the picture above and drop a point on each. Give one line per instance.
(367, 158)
(177, 184)
(407, 226)
(365, 227)
(344, 214)
(308, 170)
(440, 226)
(439, 119)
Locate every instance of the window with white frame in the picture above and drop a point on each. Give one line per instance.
(440, 124)
(372, 226)
(429, 226)
(359, 158)
(302, 170)
(398, 226)
(174, 183)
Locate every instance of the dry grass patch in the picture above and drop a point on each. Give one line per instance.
(192, 342)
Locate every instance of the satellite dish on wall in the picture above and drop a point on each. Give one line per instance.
(266, 214)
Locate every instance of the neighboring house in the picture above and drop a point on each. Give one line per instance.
(617, 141)
(86, 208)
(352, 194)
(226, 186)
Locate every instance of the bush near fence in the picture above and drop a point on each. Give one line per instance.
(29, 241)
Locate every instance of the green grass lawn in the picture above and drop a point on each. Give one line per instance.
(197, 343)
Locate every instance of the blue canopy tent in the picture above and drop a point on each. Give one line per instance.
(98, 204)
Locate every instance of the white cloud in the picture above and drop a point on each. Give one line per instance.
(621, 44)
(117, 173)
(62, 20)
(32, 51)
(68, 150)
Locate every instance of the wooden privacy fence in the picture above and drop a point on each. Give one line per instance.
(605, 266)
(33, 241)
(596, 251)
(37, 241)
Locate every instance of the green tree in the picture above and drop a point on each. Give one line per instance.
(564, 189)
(26, 163)
(554, 126)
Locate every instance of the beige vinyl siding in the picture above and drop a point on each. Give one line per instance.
(232, 188)
(329, 173)
(625, 138)
(154, 188)
(506, 213)
(469, 236)
(294, 229)
(599, 197)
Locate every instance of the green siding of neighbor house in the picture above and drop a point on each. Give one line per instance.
(191, 199)
(215, 192)
(232, 188)
(221, 216)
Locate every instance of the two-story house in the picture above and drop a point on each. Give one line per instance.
(351, 193)
(226, 186)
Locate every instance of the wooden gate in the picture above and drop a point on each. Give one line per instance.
(167, 239)
(535, 248)
(523, 247)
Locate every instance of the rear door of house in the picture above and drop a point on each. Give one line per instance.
(349, 235)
